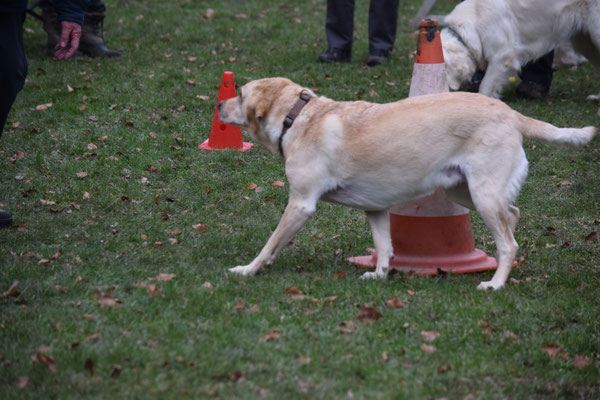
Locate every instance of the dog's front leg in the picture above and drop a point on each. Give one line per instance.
(380, 228)
(495, 79)
(294, 217)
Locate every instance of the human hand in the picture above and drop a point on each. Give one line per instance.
(69, 40)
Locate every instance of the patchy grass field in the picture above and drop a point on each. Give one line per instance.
(124, 231)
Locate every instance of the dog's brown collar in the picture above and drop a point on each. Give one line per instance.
(304, 98)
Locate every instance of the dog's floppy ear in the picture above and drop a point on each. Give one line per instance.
(256, 115)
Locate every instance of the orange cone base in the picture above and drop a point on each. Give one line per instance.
(424, 245)
(476, 261)
(206, 146)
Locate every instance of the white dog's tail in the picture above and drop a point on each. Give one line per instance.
(540, 130)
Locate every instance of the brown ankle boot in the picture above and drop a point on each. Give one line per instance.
(92, 41)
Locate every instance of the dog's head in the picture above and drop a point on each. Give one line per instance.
(260, 108)
(460, 65)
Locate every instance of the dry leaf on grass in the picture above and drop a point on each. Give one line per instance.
(394, 302)
(43, 107)
(44, 360)
(430, 336)
(581, 362)
(165, 277)
(552, 349)
(11, 292)
(22, 382)
(108, 301)
(368, 314)
(273, 335)
(428, 348)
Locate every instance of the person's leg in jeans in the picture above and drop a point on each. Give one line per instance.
(383, 23)
(339, 29)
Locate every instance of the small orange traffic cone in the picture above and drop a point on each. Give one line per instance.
(223, 136)
(431, 233)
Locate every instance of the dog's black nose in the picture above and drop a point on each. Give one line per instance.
(220, 104)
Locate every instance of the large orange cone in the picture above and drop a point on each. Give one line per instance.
(431, 233)
(223, 136)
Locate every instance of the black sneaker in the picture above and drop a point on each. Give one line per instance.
(6, 219)
(378, 57)
(532, 91)
(335, 55)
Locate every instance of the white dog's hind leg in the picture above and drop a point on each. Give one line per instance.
(380, 229)
(294, 217)
(501, 222)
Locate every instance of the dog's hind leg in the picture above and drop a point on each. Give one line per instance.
(380, 229)
(501, 219)
(294, 217)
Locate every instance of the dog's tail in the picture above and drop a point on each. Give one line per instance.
(540, 130)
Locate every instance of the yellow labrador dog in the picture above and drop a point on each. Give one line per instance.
(374, 156)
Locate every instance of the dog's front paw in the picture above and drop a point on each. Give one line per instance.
(489, 285)
(243, 270)
(373, 275)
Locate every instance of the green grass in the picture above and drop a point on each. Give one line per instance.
(200, 335)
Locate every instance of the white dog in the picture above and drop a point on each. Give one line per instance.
(501, 36)
(374, 156)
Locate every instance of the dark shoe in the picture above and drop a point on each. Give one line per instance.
(378, 57)
(6, 219)
(532, 90)
(336, 55)
(53, 28)
(92, 37)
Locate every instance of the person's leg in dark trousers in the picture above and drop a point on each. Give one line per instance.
(383, 23)
(339, 30)
(13, 70)
(536, 78)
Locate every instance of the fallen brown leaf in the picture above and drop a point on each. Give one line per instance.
(165, 277)
(240, 305)
(292, 290)
(22, 382)
(592, 237)
(428, 348)
(273, 335)
(108, 301)
(339, 275)
(348, 326)
(394, 302)
(430, 336)
(43, 107)
(552, 349)
(116, 371)
(44, 360)
(368, 314)
(581, 362)
(199, 227)
(89, 365)
(11, 292)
